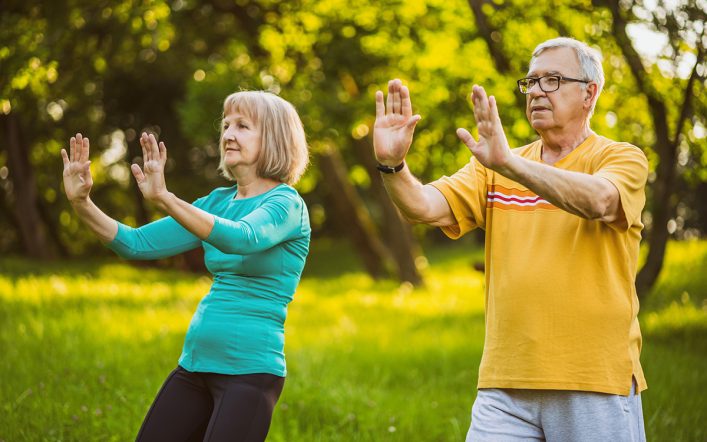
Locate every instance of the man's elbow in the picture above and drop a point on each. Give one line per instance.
(605, 207)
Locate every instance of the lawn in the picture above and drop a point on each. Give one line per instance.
(86, 345)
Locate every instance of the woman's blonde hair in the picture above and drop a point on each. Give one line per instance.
(283, 154)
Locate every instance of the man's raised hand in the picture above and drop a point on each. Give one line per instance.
(395, 124)
(492, 149)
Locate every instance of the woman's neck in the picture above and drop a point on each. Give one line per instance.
(254, 186)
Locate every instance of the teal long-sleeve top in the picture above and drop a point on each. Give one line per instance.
(256, 253)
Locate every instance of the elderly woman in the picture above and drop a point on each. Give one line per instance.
(255, 236)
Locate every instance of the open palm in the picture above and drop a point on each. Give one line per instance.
(150, 179)
(492, 149)
(394, 126)
(77, 172)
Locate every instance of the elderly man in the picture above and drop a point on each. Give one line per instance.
(562, 217)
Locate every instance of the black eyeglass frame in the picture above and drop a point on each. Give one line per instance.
(560, 78)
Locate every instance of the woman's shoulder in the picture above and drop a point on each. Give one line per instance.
(218, 194)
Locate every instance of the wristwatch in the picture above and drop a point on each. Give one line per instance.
(388, 169)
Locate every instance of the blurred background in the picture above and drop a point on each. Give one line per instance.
(113, 69)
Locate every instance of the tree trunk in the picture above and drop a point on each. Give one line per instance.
(349, 211)
(24, 199)
(492, 37)
(396, 231)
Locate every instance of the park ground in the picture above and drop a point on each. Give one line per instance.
(85, 345)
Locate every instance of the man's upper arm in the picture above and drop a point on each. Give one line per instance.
(438, 210)
(626, 168)
(465, 197)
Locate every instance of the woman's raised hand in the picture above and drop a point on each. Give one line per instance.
(395, 124)
(77, 172)
(150, 179)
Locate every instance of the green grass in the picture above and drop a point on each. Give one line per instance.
(84, 347)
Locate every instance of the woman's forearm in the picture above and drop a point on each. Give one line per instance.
(101, 224)
(195, 220)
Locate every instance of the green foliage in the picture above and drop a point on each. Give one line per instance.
(86, 346)
(114, 69)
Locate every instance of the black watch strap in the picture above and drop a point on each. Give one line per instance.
(389, 169)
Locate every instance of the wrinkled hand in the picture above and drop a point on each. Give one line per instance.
(492, 149)
(150, 179)
(395, 124)
(77, 172)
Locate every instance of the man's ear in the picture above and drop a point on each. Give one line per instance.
(590, 93)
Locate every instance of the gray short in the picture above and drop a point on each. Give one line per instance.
(500, 415)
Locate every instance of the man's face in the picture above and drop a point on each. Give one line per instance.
(564, 108)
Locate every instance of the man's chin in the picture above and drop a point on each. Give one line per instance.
(540, 124)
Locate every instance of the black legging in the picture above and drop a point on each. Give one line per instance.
(212, 407)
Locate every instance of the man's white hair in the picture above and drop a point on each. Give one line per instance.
(589, 61)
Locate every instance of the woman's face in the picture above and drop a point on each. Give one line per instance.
(241, 142)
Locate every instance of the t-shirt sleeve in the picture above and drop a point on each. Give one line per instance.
(280, 218)
(626, 167)
(159, 239)
(465, 192)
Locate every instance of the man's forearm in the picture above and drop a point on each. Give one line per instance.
(418, 203)
(581, 194)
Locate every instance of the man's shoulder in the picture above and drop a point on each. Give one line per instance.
(605, 150)
(606, 145)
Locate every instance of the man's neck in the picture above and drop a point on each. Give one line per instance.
(558, 144)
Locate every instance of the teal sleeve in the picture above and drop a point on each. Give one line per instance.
(159, 239)
(278, 219)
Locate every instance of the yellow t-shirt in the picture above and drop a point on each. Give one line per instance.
(561, 304)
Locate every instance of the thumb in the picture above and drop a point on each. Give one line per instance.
(413, 121)
(137, 173)
(88, 179)
(466, 138)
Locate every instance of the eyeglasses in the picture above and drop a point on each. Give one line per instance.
(548, 83)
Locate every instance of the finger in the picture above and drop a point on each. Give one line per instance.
(154, 150)
(77, 148)
(406, 103)
(413, 121)
(65, 158)
(493, 107)
(380, 106)
(86, 174)
(389, 100)
(397, 100)
(145, 156)
(163, 152)
(85, 149)
(137, 173)
(481, 101)
(466, 138)
(72, 148)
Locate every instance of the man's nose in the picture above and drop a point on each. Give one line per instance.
(535, 91)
